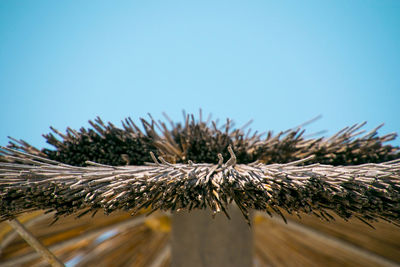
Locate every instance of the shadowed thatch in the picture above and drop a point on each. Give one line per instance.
(131, 243)
(201, 142)
(192, 172)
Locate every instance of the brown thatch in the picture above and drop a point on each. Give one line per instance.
(37, 180)
(201, 142)
(103, 168)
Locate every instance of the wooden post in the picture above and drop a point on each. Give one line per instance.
(198, 240)
(35, 243)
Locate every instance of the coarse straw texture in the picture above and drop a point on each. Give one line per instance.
(202, 141)
(366, 191)
(104, 169)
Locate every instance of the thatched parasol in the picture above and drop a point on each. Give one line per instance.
(198, 166)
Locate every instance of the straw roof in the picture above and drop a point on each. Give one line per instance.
(198, 164)
(288, 171)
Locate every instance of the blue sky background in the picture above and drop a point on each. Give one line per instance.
(277, 62)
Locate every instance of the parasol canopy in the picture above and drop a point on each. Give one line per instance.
(200, 165)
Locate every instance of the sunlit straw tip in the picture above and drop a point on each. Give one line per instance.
(232, 160)
(220, 159)
(153, 157)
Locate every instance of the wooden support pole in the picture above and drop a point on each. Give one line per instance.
(35, 243)
(198, 240)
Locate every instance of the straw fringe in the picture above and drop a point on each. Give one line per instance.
(368, 191)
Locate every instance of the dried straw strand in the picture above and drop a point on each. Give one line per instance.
(368, 191)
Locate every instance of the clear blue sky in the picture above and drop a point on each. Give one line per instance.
(277, 62)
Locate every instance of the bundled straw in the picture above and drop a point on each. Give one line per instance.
(201, 142)
(31, 179)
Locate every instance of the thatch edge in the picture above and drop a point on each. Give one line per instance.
(367, 192)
